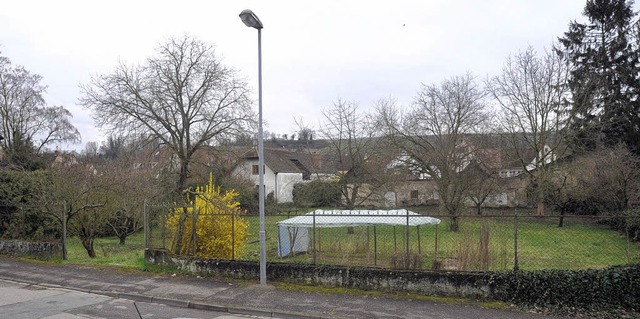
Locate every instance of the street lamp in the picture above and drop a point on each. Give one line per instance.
(251, 20)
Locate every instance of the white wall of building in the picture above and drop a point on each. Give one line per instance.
(286, 181)
(281, 185)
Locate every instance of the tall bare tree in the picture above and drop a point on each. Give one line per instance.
(182, 96)
(433, 135)
(351, 137)
(532, 92)
(25, 118)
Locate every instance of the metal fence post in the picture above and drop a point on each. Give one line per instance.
(515, 242)
(314, 238)
(233, 235)
(435, 257)
(193, 229)
(406, 240)
(164, 228)
(145, 224)
(375, 246)
(395, 241)
(64, 230)
(419, 244)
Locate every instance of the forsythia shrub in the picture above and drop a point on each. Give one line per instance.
(220, 230)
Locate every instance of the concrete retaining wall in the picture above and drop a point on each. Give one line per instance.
(463, 284)
(35, 249)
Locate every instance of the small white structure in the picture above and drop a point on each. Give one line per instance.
(293, 233)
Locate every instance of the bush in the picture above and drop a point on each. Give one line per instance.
(608, 289)
(316, 193)
(220, 230)
(20, 214)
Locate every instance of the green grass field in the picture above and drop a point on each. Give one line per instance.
(541, 245)
(109, 252)
(580, 244)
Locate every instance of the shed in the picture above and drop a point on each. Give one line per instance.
(293, 233)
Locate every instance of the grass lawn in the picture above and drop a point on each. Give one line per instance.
(109, 252)
(541, 245)
(580, 244)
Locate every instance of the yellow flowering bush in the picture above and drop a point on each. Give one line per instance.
(220, 229)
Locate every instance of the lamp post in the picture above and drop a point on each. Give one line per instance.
(251, 20)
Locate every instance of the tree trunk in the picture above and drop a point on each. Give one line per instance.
(540, 209)
(64, 235)
(182, 179)
(87, 243)
(123, 239)
(454, 225)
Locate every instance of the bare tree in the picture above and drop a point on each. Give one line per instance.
(606, 180)
(183, 96)
(433, 136)
(129, 189)
(482, 181)
(24, 115)
(531, 92)
(75, 190)
(351, 137)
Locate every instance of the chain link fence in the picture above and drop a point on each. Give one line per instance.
(496, 242)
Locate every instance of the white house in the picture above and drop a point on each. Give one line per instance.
(283, 169)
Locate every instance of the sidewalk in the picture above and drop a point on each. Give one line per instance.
(236, 297)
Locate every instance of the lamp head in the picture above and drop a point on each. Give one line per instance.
(250, 19)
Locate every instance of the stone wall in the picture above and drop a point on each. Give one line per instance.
(35, 249)
(462, 284)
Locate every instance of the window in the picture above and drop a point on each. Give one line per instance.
(254, 169)
(414, 194)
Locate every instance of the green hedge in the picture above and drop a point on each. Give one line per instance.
(592, 290)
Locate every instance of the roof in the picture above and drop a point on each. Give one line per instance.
(284, 161)
(347, 218)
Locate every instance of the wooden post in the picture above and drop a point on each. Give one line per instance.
(64, 231)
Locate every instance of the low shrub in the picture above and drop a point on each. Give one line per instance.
(607, 289)
(316, 193)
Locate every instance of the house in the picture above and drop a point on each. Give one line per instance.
(494, 175)
(282, 170)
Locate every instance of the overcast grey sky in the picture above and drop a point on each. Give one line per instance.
(314, 52)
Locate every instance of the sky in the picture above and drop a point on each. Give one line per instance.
(313, 52)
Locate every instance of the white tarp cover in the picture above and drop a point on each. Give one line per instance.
(292, 239)
(348, 218)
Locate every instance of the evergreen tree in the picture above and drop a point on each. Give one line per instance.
(604, 79)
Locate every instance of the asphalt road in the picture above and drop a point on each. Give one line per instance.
(23, 301)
